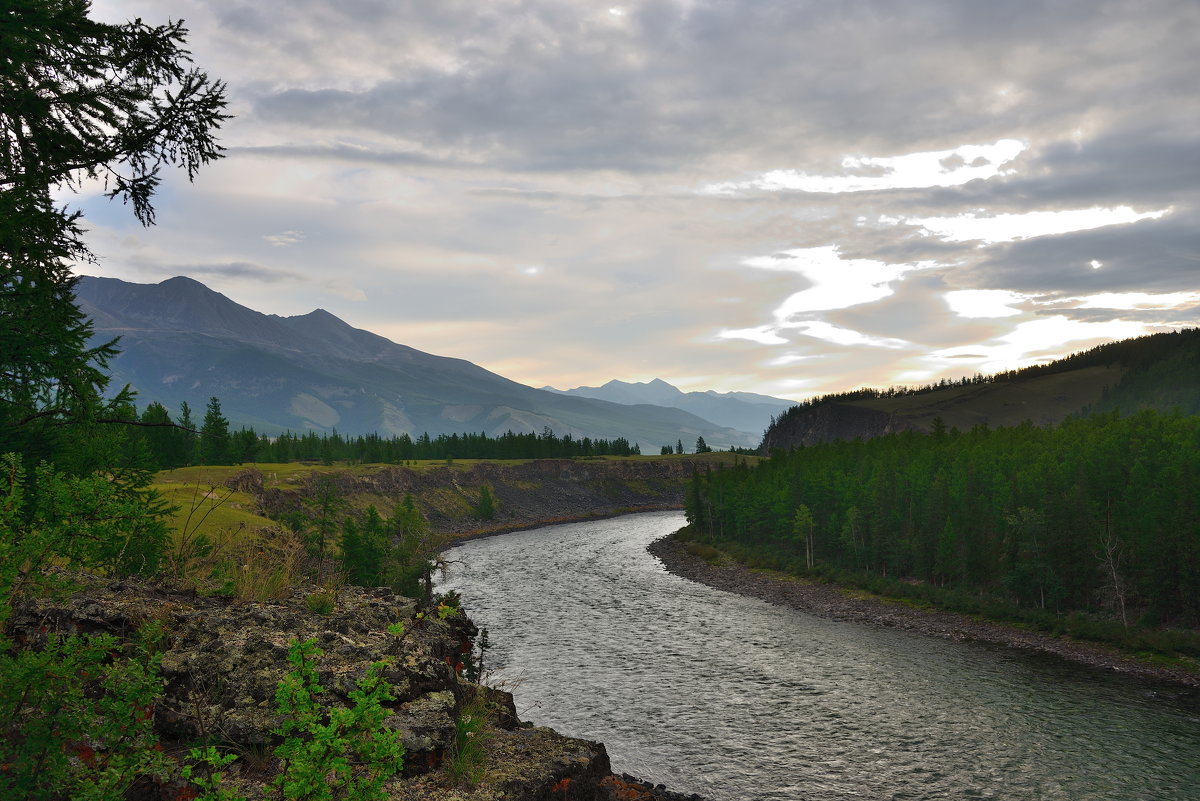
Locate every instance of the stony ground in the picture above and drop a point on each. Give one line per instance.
(835, 603)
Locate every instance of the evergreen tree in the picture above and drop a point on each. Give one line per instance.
(185, 441)
(486, 508)
(159, 436)
(214, 435)
(78, 99)
(702, 446)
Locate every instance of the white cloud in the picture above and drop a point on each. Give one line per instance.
(1139, 300)
(1008, 227)
(1037, 341)
(819, 329)
(763, 334)
(927, 170)
(837, 283)
(984, 303)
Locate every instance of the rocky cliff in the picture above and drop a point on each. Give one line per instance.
(831, 422)
(223, 660)
(525, 494)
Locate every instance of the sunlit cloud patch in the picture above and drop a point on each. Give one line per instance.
(938, 168)
(1038, 341)
(977, 226)
(1129, 301)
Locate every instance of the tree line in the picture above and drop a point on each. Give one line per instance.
(1096, 515)
(160, 441)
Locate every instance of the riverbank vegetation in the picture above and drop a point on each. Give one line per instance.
(1090, 528)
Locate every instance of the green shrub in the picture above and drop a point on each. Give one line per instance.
(333, 753)
(706, 552)
(466, 760)
(321, 602)
(77, 718)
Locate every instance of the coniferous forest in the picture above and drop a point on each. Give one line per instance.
(156, 440)
(1099, 515)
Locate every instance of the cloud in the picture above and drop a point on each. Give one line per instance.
(987, 303)
(285, 239)
(431, 153)
(1039, 341)
(872, 173)
(986, 228)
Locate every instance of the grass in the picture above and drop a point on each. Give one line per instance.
(466, 761)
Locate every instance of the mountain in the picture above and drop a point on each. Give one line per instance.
(744, 411)
(181, 341)
(1160, 371)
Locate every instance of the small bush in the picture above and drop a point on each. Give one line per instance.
(321, 602)
(706, 552)
(466, 760)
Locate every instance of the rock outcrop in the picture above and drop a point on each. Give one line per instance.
(831, 422)
(223, 660)
(525, 494)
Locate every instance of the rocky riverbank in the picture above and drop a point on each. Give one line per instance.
(222, 660)
(524, 494)
(835, 603)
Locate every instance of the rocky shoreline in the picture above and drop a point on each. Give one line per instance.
(834, 603)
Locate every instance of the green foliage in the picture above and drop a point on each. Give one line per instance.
(89, 522)
(325, 503)
(706, 552)
(214, 435)
(330, 753)
(76, 717)
(473, 670)
(466, 760)
(78, 99)
(1094, 515)
(322, 602)
(486, 508)
(209, 777)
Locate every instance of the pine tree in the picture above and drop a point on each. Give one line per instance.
(78, 99)
(214, 435)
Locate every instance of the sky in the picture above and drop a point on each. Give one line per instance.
(775, 196)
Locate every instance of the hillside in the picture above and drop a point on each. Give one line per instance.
(1161, 371)
(181, 341)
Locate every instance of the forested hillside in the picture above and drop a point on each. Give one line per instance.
(1160, 371)
(1100, 514)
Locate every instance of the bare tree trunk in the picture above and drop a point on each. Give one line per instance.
(1111, 561)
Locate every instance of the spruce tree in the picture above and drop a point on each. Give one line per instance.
(214, 435)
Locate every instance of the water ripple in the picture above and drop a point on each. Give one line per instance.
(727, 696)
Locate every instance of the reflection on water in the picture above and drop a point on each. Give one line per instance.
(729, 697)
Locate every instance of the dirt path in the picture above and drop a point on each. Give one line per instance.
(835, 603)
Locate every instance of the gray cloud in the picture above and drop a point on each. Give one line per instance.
(772, 84)
(239, 269)
(1151, 255)
(432, 153)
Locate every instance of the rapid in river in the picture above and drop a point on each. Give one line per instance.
(732, 698)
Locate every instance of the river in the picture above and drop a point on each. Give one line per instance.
(735, 699)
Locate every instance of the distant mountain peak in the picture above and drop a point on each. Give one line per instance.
(182, 341)
(743, 411)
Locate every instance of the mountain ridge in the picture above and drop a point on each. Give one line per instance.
(745, 411)
(182, 341)
(1159, 371)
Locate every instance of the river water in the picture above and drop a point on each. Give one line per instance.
(735, 699)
